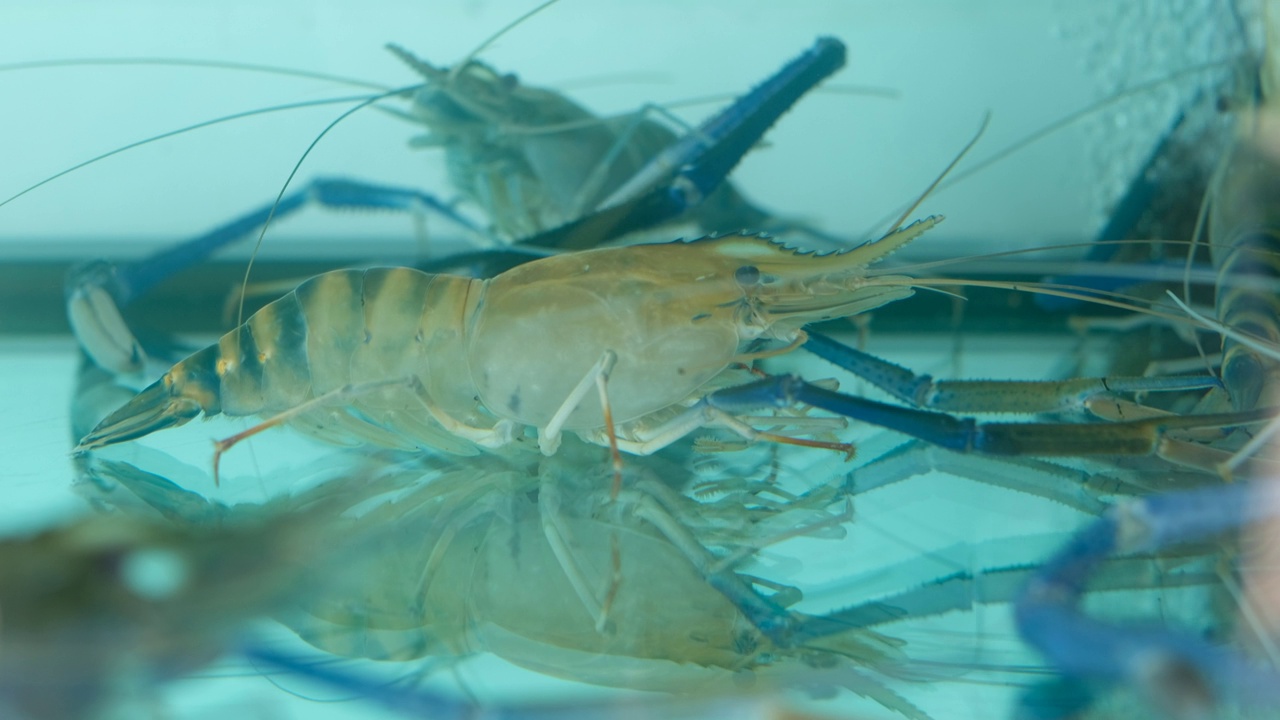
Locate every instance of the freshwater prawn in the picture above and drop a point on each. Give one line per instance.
(419, 360)
(455, 363)
(451, 537)
(425, 360)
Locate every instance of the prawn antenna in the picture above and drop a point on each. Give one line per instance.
(986, 120)
(453, 73)
(248, 269)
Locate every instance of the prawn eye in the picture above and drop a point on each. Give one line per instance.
(747, 275)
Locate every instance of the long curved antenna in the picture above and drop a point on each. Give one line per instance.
(490, 40)
(1068, 120)
(986, 120)
(189, 128)
(366, 102)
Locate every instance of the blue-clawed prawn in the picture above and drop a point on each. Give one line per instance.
(403, 358)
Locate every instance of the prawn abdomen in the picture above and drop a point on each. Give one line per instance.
(371, 349)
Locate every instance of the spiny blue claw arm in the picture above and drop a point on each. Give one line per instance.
(706, 155)
(787, 390)
(135, 279)
(702, 158)
(1020, 396)
(737, 129)
(1137, 437)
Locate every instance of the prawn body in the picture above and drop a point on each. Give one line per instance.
(676, 314)
(428, 360)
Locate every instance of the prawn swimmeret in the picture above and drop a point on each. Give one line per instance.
(407, 359)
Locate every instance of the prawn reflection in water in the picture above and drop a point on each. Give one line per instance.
(517, 559)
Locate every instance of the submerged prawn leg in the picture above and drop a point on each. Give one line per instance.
(497, 436)
(650, 439)
(560, 539)
(784, 628)
(846, 632)
(501, 434)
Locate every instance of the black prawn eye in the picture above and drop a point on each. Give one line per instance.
(747, 275)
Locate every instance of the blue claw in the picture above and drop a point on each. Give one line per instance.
(1177, 669)
(133, 280)
(962, 434)
(95, 292)
(691, 169)
(1030, 396)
